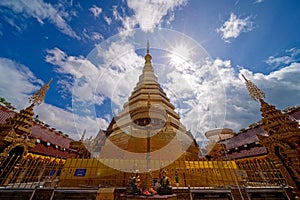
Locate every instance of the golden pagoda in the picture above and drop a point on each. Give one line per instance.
(146, 138)
(148, 126)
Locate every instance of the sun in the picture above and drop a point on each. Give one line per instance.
(179, 55)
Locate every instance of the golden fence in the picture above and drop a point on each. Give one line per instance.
(260, 171)
(34, 170)
(96, 172)
(29, 171)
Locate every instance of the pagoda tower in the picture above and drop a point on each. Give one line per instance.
(148, 126)
(283, 140)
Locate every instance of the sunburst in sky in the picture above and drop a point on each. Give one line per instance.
(179, 55)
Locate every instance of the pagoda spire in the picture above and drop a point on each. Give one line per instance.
(148, 76)
(255, 92)
(20, 124)
(39, 97)
(23, 121)
(148, 57)
(83, 135)
(282, 141)
(273, 120)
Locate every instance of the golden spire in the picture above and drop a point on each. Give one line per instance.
(83, 135)
(254, 91)
(38, 97)
(148, 47)
(148, 57)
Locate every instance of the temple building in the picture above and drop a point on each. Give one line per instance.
(147, 142)
(30, 149)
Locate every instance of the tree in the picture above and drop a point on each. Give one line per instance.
(3, 101)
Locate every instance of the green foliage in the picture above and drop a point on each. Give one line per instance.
(3, 100)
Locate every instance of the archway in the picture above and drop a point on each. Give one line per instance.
(9, 162)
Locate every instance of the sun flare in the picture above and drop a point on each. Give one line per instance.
(179, 55)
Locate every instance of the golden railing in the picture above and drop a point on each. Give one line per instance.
(34, 170)
(29, 171)
(191, 173)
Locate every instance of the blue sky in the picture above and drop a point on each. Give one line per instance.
(94, 52)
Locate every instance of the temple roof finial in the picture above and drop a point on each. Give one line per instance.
(148, 57)
(148, 47)
(39, 97)
(83, 135)
(254, 91)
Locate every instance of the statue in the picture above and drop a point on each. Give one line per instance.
(176, 179)
(165, 187)
(134, 185)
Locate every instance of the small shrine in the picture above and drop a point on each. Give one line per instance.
(136, 189)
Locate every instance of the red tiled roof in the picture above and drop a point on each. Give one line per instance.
(52, 151)
(5, 113)
(246, 137)
(295, 113)
(45, 134)
(48, 135)
(254, 151)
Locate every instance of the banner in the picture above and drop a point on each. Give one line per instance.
(80, 172)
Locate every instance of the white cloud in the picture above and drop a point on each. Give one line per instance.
(69, 122)
(116, 14)
(283, 86)
(292, 56)
(77, 67)
(148, 14)
(94, 36)
(234, 26)
(10, 18)
(70, 64)
(198, 94)
(96, 11)
(17, 82)
(113, 78)
(279, 60)
(258, 1)
(41, 11)
(199, 97)
(108, 20)
(92, 84)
